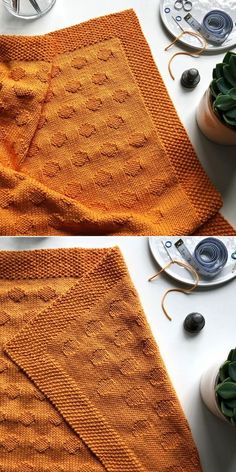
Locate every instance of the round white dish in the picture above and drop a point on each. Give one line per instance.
(160, 254)
(199, 10)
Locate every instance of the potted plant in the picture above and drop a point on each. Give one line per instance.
(218, 389)
(216, 113)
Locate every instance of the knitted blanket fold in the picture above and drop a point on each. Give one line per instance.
(90, 142)
(82, 384)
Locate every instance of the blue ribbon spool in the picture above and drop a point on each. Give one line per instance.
(218, 23)
(211, 256)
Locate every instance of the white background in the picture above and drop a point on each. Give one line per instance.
(218, 161)
(186, 357)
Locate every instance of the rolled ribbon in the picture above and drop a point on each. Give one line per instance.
(209, 256)
(218, 23)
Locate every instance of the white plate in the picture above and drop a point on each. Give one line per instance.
(199, 10)
(182, 275)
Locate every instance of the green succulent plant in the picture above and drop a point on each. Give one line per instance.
(223, 90)
(226, 388)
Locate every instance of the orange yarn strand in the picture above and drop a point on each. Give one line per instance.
(197, 54)
(181, 290)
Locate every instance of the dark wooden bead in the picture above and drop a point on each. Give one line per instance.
(190, 78)
(194, 322)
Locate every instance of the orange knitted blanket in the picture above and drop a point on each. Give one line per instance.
(82, 384)
(90, 140)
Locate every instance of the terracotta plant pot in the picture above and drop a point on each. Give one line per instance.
(211, 126)
(207, 388)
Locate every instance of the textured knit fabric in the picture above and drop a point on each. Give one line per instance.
(90, 141)
(82, 384)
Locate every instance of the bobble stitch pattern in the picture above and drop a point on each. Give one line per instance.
(87, 130)
(22, 92)
(41, 445)
(135, 397)
(93, 327)
(115, 122)
(128, 366)
(73, 86)
(18, 73)
(69, 347)
(56, 70)
(43, 76)
(46, 294)
(99, 357)
(123, 337)
(66, 112)
(138, 140)
(164, 408)
(16, 295)
(99, 79)
(103, 178)
(140, 427)
(94, 104)
(10, 443)
(105, 54)
(23, 118)
(73, 190)
(79, 62)
(109, 150)
(58, 139)
(51, 169)
(120, 96)
(148, 347)
(170, 440)
(106, 387)
(80, 158)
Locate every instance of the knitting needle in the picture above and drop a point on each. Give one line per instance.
(234, 268)
(168, 254)
(171, 261)
(15, 5)
(34, 4)
(177, 23)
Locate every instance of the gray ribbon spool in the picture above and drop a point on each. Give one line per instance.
(218, 23)
(209, 256)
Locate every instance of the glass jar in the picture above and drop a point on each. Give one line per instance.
(28, 9)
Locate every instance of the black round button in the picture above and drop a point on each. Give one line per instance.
(194, 322)
(190, 78)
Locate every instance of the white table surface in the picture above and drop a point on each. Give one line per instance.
(218, 161)
(186, 357)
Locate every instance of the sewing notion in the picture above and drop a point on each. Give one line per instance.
(195, 262)
(28, 9)
(212, 258)
(214, 21)
(190, 78)
(216, 26)
(194, 323)
(183, 4)
(208, 258)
